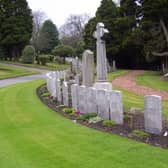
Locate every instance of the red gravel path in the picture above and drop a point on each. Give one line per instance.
(128, 82)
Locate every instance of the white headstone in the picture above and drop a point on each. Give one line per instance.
(103, 106)
(65, 91)
(116, 106)
(59, 91)
(82, 99)
(153, 114)
(74, 96)
(91, 105)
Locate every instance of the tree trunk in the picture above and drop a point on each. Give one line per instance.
(164, 29)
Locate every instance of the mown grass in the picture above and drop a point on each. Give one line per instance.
(11, 72)
(34, 136)
(152, 79)
(115, 74)
(49, 66)
(132, 100)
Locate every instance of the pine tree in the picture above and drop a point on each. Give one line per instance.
(48, 37)
(15, 26)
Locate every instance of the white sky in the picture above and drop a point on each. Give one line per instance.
(59, 10)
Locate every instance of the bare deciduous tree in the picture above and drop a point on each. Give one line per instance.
(38, 18)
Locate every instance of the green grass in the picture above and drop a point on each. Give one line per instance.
(33, 136)
(49, 66)
(11, 72)
(153, 80)
(113, 75)
(132, 100)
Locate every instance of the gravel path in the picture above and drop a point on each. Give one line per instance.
(128, 82)
(11, 81)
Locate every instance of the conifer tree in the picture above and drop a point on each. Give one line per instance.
(15, 26)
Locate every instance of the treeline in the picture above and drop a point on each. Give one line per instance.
(28, 36)
(138, 35)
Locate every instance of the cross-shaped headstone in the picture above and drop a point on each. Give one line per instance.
(101, 52)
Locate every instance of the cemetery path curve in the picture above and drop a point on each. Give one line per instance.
(22, 79)
(128, 82)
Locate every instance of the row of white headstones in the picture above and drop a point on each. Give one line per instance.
(100, 97)
(108, 104)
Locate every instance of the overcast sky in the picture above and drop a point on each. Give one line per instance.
(59, 10)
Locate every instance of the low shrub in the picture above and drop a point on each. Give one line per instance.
(68, 110)
(46, 94)
(28, 54)
(95, 120)
(108, 123)
(127, 117)
(43, 59)
(139, 134)
(51, 58)
(87, 116)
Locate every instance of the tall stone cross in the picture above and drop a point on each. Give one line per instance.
(101, 52)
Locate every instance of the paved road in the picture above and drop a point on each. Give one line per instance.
(11, 81)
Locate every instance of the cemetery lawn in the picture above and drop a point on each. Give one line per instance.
(116, 74)
(132, 100)
(49, 66)
(152, 79)
(34, 136)
(11, 72)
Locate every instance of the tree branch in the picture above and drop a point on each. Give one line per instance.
(160, 54)
(164, 29)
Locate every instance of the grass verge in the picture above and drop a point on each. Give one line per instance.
(49, 66)
(11, 72)
(32, 135)
(153, 80)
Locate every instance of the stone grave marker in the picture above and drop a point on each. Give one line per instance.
(153, 114)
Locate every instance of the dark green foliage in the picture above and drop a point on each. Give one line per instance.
(139, 134)
(108, 123)
(120, 21)
(48, 37)
(28, 54)
(15, 26)
(63, 51)
(87, 116)
(43, 59)
(127, 117)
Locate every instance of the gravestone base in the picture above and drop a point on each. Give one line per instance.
(103, 85)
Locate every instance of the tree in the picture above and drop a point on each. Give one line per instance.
(15, 26)
(155, 27)
(48, 37)
(38, 19)
(73, 30)
(28, 54)
(63, 51)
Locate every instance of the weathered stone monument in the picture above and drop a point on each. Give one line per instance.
(101, 69)
(153, 114)
(87, 68)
